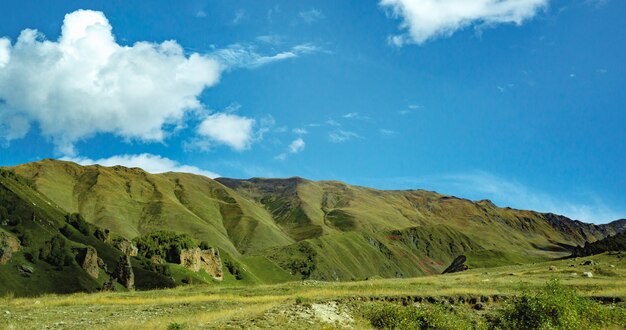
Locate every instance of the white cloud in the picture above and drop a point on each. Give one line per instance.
(200, 14)
(311, 16)
(332, 122)
(230, 129)
(340, 136)
(297, 146)
(354, 115)
(281, 156)
(386, 132)
(148, 162)
(300, 131)
(429, 19)
(239, 16)
(86, 83)
(246, 56)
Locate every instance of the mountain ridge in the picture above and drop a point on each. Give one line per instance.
(325, 230)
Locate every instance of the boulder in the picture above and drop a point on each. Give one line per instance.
(127, 247)
(8, 245)
(124, 273)
(209, 260)
(458, 265)
(587, 274)
(588, 263)
(553, 268)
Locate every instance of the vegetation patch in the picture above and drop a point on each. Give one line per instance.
(164, 244)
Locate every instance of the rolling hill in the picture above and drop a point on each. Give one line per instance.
(273, 230)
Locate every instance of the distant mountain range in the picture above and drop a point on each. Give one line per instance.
(265, 230)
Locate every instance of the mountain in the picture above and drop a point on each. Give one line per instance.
(273, 230)
(42, 248)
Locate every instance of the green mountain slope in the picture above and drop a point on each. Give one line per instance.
(46, 247)
(321, 230)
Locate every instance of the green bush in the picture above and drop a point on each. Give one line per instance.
(395, 316)
(165, 244)
(55, 252)
(77, 221)
(176, 326)
(556, 307)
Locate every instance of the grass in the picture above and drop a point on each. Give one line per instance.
(197, 306)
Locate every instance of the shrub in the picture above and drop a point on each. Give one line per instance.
(165, 244)
(436, 316)
(204, 245)
(233, 268)
(175, 326)
(556, 307)
(55, 252)
(77, 221)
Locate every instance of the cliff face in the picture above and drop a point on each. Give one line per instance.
(208, 260)
(87, 258)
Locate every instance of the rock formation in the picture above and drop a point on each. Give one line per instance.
(124, 273)
(8, 245)
(197, 259)
(126, 246)
(87, 258)
(458, 265)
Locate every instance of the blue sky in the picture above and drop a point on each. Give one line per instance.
(521, 102)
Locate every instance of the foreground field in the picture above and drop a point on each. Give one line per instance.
(472, 294)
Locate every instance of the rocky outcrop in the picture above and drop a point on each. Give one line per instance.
(207, 260)
(458, 265)
(87, 258)
(8, 245)
(124, 273)
(127, 247)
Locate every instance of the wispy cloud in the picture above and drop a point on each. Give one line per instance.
(386, 132)
(311, 15)
(296, 146)
(247, 56)
(506, 192)
(300, 131)
(340, 136)
(240, 14)
(332, 122)
(354, 115)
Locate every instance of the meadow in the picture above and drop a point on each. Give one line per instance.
(477, 298)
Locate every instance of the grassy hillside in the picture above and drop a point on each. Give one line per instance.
(323, 230)
(473, 299)
(49, 242)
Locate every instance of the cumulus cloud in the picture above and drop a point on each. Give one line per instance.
(148, 162)
(428, 19)
(229, 129)
(86, 83)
